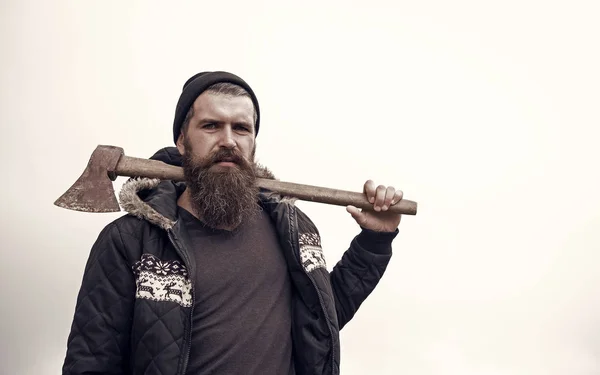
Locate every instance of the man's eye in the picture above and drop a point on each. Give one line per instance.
(242, 128)
(209, 126)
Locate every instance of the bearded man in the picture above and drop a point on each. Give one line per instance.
(214, 276)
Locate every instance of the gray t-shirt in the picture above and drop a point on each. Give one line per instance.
(242, 316)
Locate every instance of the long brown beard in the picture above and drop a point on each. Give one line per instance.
(222, 198)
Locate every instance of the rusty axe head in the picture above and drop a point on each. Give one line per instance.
(93, 191)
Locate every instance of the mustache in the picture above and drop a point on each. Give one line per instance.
(226, 154)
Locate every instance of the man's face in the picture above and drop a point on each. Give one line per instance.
(220, 121)
(218, 160)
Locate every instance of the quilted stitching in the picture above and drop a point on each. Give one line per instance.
(102, 309)
(158, 344)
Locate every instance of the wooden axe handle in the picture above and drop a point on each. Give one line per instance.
(134, 167)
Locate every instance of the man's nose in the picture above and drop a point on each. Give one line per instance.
(227, 140)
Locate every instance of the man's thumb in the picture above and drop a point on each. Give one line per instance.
(357, 214)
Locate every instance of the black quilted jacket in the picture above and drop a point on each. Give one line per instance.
(134, 309)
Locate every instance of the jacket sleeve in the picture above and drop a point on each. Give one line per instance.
(355, 276)
(99, 339)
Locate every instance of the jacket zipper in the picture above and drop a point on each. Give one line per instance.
(186, 260)
(296, 249)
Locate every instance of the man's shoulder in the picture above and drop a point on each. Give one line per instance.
(279, 209)
(129, 236)
(129, 225)
(305, 224)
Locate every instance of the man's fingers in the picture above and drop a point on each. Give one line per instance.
(379, 197)
(389, 197)
(397, 196)
(369, 190)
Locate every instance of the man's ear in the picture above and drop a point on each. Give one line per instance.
(180, 144)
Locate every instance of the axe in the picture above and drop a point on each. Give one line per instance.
(94, 192)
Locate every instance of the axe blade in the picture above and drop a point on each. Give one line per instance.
(93, 191)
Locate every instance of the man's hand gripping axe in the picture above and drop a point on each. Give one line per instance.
(94, 192)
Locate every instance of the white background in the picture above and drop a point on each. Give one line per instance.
(484, 112)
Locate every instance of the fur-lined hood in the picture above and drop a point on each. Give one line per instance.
(156, 201)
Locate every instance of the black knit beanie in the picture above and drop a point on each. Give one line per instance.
(194, 86)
